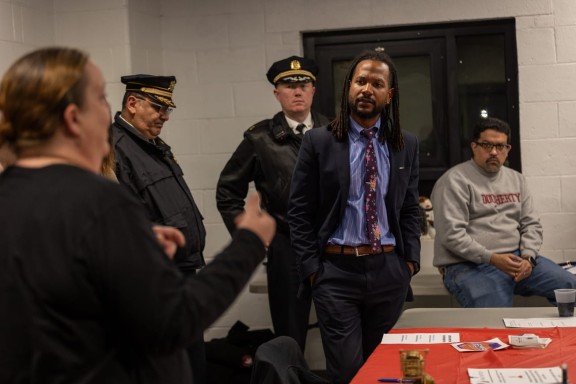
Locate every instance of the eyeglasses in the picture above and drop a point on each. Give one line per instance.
(489, 146)
(158, 107)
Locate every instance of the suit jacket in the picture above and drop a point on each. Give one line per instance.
(319, 191)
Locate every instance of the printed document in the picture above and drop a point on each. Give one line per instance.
(552, 375)
(550, 322)
(420, 338)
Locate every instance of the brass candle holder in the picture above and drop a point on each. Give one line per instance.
(413, 363)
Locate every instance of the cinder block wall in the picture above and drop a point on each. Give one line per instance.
(229, 45)
(220, 49)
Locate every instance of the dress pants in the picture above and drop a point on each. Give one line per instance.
(357, 300)
(290, 314)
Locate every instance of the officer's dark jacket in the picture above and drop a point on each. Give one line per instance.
(151, 173)
(267, 155)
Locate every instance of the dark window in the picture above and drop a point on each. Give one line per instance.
(449, 75)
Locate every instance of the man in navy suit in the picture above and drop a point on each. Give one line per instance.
(357, 271)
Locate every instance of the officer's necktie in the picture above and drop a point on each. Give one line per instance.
(300, 129)
(370, 183)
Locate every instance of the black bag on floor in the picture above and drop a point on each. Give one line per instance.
(280, 361)
(230, 359)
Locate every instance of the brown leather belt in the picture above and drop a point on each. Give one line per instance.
(361, 250)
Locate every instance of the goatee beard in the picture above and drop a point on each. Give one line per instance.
(377, 111)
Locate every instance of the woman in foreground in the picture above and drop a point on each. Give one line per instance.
(87, 293)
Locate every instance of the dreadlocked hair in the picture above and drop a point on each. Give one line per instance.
(390, 117)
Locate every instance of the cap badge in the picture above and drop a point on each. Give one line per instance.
(172, 85)
(295, 64)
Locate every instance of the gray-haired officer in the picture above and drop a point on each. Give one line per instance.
(146, 166)
(266, 156)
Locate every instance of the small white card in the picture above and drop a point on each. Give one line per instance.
(420, 338)
(527, 341)
(552, 375)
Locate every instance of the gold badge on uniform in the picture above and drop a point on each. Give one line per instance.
(172, 85)
(294, 64)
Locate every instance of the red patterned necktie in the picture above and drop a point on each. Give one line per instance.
(370, 182)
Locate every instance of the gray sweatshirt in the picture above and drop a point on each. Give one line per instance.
(477, 213)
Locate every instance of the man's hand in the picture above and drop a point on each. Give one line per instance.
(411, 267)
(169, 238)
(524, 272)
(257, 221)
(514, 266)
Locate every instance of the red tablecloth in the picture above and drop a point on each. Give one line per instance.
(449, 366)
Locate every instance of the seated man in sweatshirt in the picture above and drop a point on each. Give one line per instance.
(487, 233)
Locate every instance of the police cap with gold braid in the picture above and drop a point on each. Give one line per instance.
(159, 88)
(293, 69)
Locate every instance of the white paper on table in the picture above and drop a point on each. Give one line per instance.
(420, 338)
(550, 322)
(552, 375)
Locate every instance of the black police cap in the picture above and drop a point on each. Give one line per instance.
(159, 88)
(292, 70)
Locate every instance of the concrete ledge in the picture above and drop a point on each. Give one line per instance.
(259, 284)
(423, 284)
(428, 284)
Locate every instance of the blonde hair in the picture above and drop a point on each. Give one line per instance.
(108, 167)
(34, 93)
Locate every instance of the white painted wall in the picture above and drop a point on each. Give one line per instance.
(219, 51)
(24, 25)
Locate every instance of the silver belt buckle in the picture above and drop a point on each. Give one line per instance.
(360, 254)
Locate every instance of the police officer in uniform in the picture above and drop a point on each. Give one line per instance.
(266, 156)
(147, 167)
